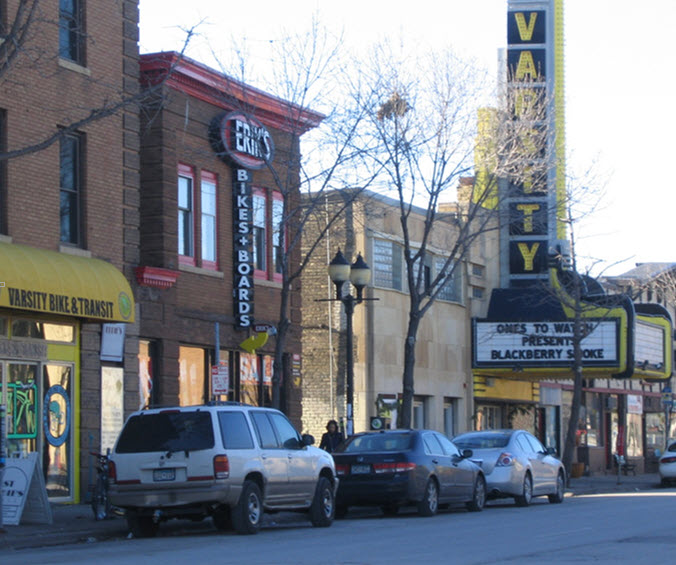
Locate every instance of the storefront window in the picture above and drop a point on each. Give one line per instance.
(3, 326)
(33, 329)
(248, 378)
(654, 431)
(191, 376)
(488, 418)
(634, 436)
(22, 408)
(57, 418)
(592, 419)
(146, 389)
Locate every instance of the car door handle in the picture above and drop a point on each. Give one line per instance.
(263, 456)
(435, 461)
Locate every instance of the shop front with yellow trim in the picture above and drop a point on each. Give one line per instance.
(45, 298)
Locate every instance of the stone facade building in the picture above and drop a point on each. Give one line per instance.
(443, 379)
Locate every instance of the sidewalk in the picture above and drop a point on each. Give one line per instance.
(74, 523)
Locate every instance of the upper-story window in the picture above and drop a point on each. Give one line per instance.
(268, 234)
(71, 30)
(197, 218)
(209, 226)
(452, 289)
(70, 188)
(387, 264)
(186, 234)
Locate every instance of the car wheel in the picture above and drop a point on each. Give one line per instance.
(247, 513)
(478, 496)
(525, 498)
(390, 509)
(323, 504)
(557, 497)
(222, 518)
(429, 505)
(142, 526)
(664, 482)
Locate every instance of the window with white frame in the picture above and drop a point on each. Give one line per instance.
(197, 217)
(269, 233)
(387, 264)
(186, 181)
(452, 288)
(208, 212)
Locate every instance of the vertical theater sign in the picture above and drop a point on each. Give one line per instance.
(244, 142)
(527, 332)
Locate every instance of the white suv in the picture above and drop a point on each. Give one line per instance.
(225, 460)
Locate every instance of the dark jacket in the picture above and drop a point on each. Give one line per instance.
(331, 440)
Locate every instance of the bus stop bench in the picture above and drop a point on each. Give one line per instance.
(625, 466)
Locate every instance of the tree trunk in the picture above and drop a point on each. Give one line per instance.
(280, 344)
(409, 366)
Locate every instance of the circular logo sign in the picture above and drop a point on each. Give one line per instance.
(56, 415)
(242, 139)
(124, 304)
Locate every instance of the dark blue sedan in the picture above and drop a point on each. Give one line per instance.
(395, 468)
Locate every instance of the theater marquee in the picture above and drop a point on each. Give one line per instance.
(544, 344)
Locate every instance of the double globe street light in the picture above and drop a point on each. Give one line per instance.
(359, 275)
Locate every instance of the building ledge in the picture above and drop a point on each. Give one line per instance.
(156, 277)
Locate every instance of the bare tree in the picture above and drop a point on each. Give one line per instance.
(422, 134)
(305, 72)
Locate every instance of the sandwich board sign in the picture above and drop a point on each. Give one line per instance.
(23, 491)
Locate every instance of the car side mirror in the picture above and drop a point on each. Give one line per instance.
(307, 439)
(467, 453)
(550, 451)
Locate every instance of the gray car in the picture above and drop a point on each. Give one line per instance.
(515, 465)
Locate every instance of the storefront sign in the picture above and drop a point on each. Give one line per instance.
(243, 248)
(650, 345)
(112, 342)
(543, 344)
(634, 404)
(242, 139)
(531, 194)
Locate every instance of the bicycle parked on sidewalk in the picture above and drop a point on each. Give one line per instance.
(100, 502)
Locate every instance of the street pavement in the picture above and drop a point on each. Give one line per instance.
(74, 523)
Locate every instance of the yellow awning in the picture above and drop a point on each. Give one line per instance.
(40, 280)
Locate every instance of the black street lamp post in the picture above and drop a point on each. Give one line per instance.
(358, 274)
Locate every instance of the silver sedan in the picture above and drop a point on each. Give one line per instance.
(515, 464)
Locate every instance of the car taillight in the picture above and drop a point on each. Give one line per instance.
(112, 472)
(505, 459)
(400, 467)
(221, 467)
(342, 469)
(668, 460)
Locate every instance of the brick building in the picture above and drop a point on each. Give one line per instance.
(212, 230)
(443, 381)
(69, 194)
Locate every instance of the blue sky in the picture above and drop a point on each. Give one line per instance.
(620, 110)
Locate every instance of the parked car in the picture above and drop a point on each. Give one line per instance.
(516, 465)
(395, 468)
(667, 464)
(228, 461)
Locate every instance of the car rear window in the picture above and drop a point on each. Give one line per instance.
(166, 431)
(481, 441)
(377, 442)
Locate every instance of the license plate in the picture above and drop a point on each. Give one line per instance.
(164, 475)
(361, 469)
